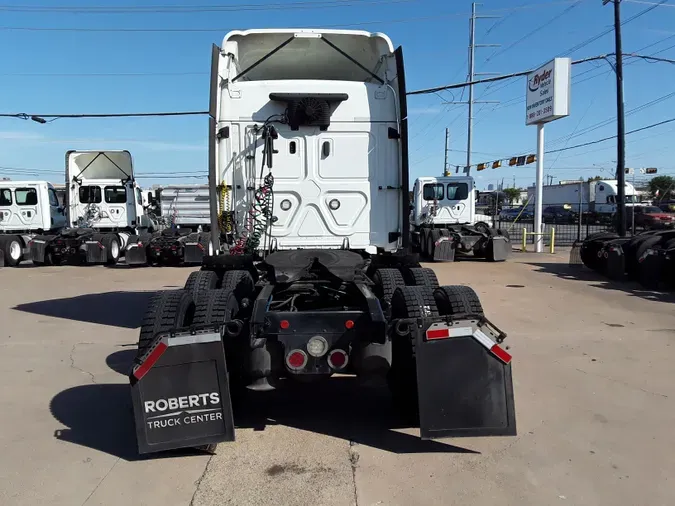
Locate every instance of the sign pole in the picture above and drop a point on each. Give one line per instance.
(538, 204)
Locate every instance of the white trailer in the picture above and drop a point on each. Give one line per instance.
(443, 221)
(598, 198)
(27, 208)
(105, 209)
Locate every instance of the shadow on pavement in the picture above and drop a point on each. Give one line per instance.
(121, 361)
(100, 416)
(117, 309)
(582, 273)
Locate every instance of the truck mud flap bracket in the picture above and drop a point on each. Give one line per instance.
(464, 382)
(180, 392)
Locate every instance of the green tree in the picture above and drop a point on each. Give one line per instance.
(662, 187)
(594, 178)
(511, 194)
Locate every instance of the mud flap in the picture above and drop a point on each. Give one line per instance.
(444, 250)
(498, 249)
(38, 249)
(194, 253)
(2, 258)
(136, 255)
(180, 392)
(464, 382)
(614, 263)
(95, 252)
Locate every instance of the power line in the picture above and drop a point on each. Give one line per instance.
(38, 117)
(183, 9)
(597, 141)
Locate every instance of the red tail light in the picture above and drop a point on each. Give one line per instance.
(337, 359)
(284, 324)
(349, 324)
(296, 360)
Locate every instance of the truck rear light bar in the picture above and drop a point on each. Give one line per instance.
(337, 359)
(443, 331)
(296, 360)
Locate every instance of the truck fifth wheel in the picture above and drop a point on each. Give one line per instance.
(312, 273)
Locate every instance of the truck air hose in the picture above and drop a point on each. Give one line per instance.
(257, 219)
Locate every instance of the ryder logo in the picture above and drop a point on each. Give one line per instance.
(536, 81)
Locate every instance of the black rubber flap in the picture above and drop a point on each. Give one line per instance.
(136, 256)
(184, 399)
(499, 249)
(463, 389)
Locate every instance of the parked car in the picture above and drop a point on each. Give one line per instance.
(649, 217)
(667, 207)
(512, 213)
(558, 214)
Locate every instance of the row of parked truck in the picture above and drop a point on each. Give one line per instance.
(104, 216)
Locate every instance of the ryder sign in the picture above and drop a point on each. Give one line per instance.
(548, 92)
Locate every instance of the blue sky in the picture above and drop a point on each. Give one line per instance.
(49, 58)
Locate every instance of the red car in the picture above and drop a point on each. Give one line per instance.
(649, 217)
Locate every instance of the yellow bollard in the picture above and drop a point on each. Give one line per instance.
(524, 240)
(552, 240)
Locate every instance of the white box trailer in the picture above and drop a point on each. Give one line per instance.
(597, 197)
(27, 209)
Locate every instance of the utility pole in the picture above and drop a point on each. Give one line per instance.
(620, 125)
(445, 164)
(470, 78)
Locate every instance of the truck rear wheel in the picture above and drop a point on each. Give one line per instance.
(457, 299)
(421, 276)
(240, 282)
(386, 282)
(199, 281)
(13, 250)
(407, 302)
(214, 307)
(112, 248)
(166, 310)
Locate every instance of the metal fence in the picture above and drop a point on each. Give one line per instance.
(565, 233)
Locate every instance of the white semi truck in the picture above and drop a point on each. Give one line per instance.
(183, 235)
(27, 208)
(313, 273)
(598, 199)
(444, 222)
(104, 208)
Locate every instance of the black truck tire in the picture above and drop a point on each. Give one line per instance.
(112, 247)
(421, 276)
(457, 299)
(12, 247)
(240, 282)
(199, 281)
(386, 282)
(407, 302)
(635, 250)
(215, 307)
(166, 310)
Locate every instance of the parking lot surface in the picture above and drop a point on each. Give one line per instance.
(593, 378)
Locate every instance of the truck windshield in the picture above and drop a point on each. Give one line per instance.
(5, 197)
(115, 194)
(90, 194)
(432, 191)
(457, 191)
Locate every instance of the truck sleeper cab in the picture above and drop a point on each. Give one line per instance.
(27, 208)
(105, 209)
(313, 273)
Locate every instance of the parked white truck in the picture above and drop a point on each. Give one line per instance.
(184, 223)
(105, 209)
(308, 172)
(27, 208)
(444, 222)
(598, 199)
